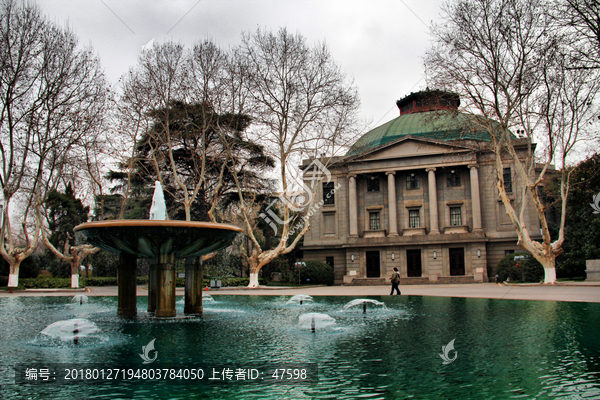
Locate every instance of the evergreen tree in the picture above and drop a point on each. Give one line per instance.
(194, 132)
(65, 212)
(582, 231)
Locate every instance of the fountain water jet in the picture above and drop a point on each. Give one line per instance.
(299, 299)
(162, 241)
(72, 331)
(364, 302)
(80, 298)
(315, 320)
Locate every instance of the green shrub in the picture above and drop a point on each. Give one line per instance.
(316, 272)
(110, 281)
(180, 282)
(48, 283)
(527, 270)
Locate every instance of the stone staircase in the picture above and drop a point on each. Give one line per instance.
(412, 281)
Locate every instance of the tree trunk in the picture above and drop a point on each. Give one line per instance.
(253, 280)
(13, 277)
(549, 264)
(75, 262)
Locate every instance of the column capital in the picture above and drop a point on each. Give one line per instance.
(390, 172)
(430, 169)
(352, 175)
(474, 165)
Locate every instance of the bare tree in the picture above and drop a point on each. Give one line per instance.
(506, 58)
(581, 21)
(52, 98)
(303, 106)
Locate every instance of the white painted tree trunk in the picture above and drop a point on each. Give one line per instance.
(74, 281)
(550, 275)
(13, 280)
(253, 280)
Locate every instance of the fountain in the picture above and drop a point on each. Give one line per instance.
(80, 298)
(533, 349)
(299, 299)
(315, 320)
(72, 331)
(162, 241)
(364, 302)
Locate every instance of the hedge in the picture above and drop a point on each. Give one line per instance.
(47, 283)
(60, 283)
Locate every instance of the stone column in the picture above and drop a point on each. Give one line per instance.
(152, 285)
(433, 206)
(392, 206)
(193, 285)
(475, 200)
(352, 205)
(127, 281)
(165, 286)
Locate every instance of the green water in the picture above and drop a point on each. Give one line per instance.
(504, 348)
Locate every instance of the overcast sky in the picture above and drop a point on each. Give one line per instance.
(379, 43)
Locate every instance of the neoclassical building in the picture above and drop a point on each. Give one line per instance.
(417, 193)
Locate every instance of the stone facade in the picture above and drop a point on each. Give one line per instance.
(428, 207)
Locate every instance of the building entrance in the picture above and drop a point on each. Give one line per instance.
(373, 268)
(457, 261)
(413, 263)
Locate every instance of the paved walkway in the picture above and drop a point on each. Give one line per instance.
(566, 291)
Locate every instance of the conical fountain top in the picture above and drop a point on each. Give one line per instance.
(158, 211)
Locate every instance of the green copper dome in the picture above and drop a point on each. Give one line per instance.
(441, 125)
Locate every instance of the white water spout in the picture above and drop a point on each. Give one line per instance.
(158, 211)
(74, 331)
(300, 299)
(315, 321)
(363, 302)
(80, 298)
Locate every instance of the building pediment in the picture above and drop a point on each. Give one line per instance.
(411, 147)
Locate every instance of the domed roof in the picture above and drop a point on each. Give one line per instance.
(432, 124)
(431, 114)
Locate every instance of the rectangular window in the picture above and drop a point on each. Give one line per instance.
(414, 220)
(328, 193)
(412, 181)
(453, 178)
(507, 252)
(374, 221)
(455, 216)
(373, 184)
(507, 180)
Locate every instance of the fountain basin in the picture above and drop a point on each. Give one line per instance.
(152, 238)
(162, 241)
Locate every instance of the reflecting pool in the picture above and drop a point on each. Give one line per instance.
(502, 348)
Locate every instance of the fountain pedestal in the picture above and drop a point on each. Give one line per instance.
(193, 286)
(127, 282)
(165, 286)
(163, 241)
(152, 285)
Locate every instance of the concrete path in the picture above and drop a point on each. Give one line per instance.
(571, 291)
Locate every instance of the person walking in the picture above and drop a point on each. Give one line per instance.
(395, 278)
